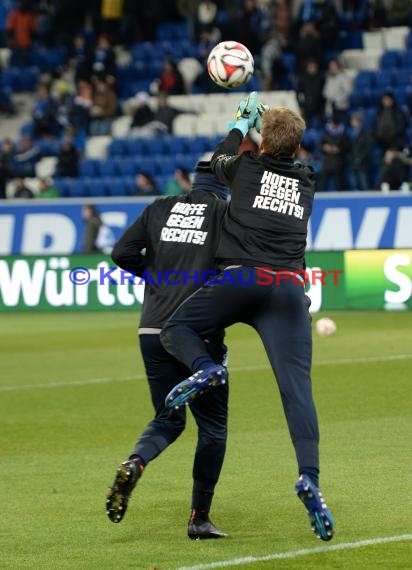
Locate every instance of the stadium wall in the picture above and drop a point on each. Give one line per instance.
(339, 221)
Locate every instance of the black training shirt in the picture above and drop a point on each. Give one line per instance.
(180, 235)
(271, 201)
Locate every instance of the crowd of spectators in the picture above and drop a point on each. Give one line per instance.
(81, 98)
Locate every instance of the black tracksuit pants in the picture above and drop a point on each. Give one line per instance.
(279, 313)
(210, 413)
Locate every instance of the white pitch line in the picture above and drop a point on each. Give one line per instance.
(297, 553)
(249, 368)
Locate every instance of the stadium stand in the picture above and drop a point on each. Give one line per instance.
(376, 57)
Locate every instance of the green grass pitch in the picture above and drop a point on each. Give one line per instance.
(73, 400)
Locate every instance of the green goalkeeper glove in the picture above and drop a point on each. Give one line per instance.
(246, 114)
(262, 108)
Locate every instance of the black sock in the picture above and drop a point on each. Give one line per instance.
(139, 461)
(199, 515)
(312, 473)
(201, 363)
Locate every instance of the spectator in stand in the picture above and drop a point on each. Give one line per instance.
(165, 114)
(21, 190)
(361, 144)
(6, 165)
(395, 170)
(44, 114)
(205, 20)
(44, 12)
(377, 14)
(92, 225)
(80, 59)
(310, 94)
(271, 63)
(47, 189)
(20, 27)
(146, 185)
(67, 160)
(187, 9)
(337, 91)
(63, 102)
(25, 157)
(141, 19)
(103, 110)
(103, 62)
(179, 184)
(77, 136)
(327, 24)
(334, 145)
(306, 156)
(143, 113)
(171, 80)
(252, 25)
(390, 123)
(308, 47)
(400, 13)
(82, 104)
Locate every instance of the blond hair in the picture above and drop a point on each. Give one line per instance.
(282, 131)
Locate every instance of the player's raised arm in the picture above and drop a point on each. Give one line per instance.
(225, 159)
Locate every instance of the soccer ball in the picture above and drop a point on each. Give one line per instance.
(230, 64)
(325, 327)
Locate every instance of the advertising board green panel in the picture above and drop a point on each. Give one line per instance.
(379, 279)
(373, 279)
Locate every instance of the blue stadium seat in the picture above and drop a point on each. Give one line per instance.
(95, 187)
(107, 167)
(186, 161)
(356, 99)
(125, 72)
(115, 187)
(369, 117)
(145, 164)
(405, 59)
(136, 147)
(125, 166)
(118, 147)
(311, 139)
(61, 187)
(164, 164)
(400, 95)
(169, 31)
(88, 167)
(28, 79)
(155, 145)
(390, 59)
(385, 78)
(189, 49)
(364, 79)
(75, 188)
(176, 145)
(129, 185)
(198, 145)
(213, 141)
(403, 77)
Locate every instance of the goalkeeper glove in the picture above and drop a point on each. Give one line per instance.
(246, 114)
(262, 108)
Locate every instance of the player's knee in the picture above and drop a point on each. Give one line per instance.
(165, 337)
